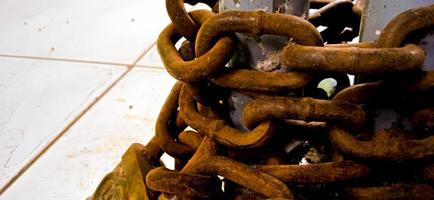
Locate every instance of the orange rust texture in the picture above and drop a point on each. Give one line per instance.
(288, 120)
(354, 60)
(307, 109)
(384, 146)
(395, 192)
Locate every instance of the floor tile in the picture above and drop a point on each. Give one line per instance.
(112, 31)
(38, 99)
(94, 146)
(151, 59)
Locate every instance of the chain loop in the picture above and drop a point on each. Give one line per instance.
(184, 23)
(401, 26)
(200, 68)
(163, 132)
(219, 130)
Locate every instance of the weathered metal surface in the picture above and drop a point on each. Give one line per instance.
(173, 182)
(395, 192)
(199, 68)
(354, 60)
(127, 179)
(220, 130)
(257, 51)
(184, 24)
(205, 161)
(257, 23)
(297, 8)
(377, 15)
(306, 109)
(165, 130)
(294, 139)
(317, 173)
(423, 120)
(384, 146)
(260, 52)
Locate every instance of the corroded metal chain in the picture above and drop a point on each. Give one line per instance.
(253, 162)
(287, 121)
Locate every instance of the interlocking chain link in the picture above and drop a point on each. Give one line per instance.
(289, 119)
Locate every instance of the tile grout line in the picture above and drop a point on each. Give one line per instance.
(82, 61)
(72, 123)
(156, 67)
(64, 60)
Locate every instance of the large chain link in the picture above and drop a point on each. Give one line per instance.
(262, 161)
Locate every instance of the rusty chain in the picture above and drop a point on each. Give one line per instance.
(287, 121)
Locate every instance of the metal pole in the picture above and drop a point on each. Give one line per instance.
(259, 53)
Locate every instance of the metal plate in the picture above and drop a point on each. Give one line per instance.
(376, 15)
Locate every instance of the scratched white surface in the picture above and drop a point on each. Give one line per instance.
(112, 31)
(73, 167)
(40, 95)
(151, 59)
(38, 99)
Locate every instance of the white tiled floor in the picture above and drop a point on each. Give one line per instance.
(95, 144)
(71, 96)
(38, 100)
(111, 31)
